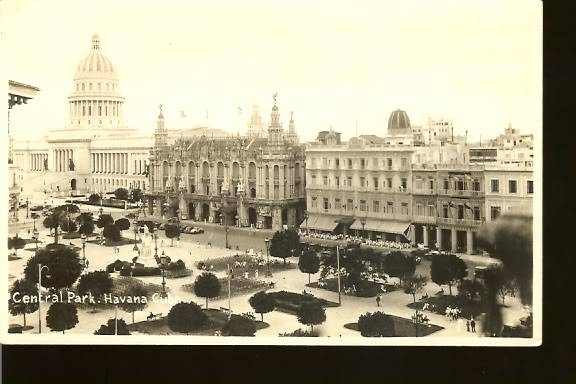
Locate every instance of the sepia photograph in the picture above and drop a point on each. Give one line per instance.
(272, 172)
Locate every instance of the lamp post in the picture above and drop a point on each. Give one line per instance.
(34, 217)
(40, 268)
(162, 268)
(27, 204)
(363, 222)
(83, 239)
(229, 294)
(225, 232)
(135, 224)
(267, 242)
(155, 234)
(36, 235)
(338, 268)
(306, 219)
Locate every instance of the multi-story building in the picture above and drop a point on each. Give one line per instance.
(435, 130)
(95, 151)
(235, 180)
(509, 190)
(361, 186)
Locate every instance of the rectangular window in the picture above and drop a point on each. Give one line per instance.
(390, 207)
(325, 180)
(376, 206)
(313, 180)
(512, 186)
(431, 211)
(326, 204)
(419, 210)
(362, 205)
(362, 163)
(324, 163)
(389, 161)
(349, 181)
(431, 184)
(362, 182)
(337, 204)
(460, 185)
(418, 183)
(314, 202)
(476, 185)
(404, 209)
(349, 163)
(349, 204)
(446, 184)
(494, 212)
(404, 162)
(460, 212)
(530, 187)
(477, 213)
(375, 180)
(337, 181)
(495, 185)
(445, 211)
(404, 184)
(375, 163)
(337, 163)
(389, 181)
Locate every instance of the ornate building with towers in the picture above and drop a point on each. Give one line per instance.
(253, 180)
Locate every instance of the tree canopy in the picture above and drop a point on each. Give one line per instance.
(447, 269)
(376, 324)
(86, 228)
(172, 231)
(104, 220)
(399, 264)
(20, 289)
(112, 233)
(63, 264)
(414, 284)
(133, 290)
(94, 198)
(309, 262)
(285, 243)
(207, 285)
(311, 313)
(62, 316)
(121, 194)
(239, 326)
(186, 317)
(262, 303)
(112, 327)
(97, 283)
(137, 195)
(122, 223)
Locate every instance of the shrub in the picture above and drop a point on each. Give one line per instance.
(111, 232)
(94, 198)
(110, 328)
(179, 265)
(239, 326)
(122, 223)
(207, 285)
(262, 303)
(311, 313)
(298, 333)
(126, 271)
(186, 317)
(146, 271)
(376, 324)
(121, 194)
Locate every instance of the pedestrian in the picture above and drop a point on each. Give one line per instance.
(473, 325)
(378, 300)
(467, 325)
(246, 275)
(256, 274)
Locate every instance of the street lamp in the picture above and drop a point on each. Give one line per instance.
(363, 222)
(40, 268)
(163, 259)
(27, 204)
(83, 239)
(225, 232)
(338, 268)
(34, 217)
(135, 224)
(267, 242)
(155, 234)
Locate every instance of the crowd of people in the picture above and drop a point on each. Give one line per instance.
(355, 239)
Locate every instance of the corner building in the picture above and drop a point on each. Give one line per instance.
(234, 180)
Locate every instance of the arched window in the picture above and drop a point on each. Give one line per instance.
(99, 110)
(83, 110)
(89, 110)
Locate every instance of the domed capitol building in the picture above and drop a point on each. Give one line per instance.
(95, 151)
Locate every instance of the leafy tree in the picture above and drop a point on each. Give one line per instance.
(285, 243)
(262, 303)
(122, 194)
(506, 288)
(414, 285)
(133, 290)
(19, 290)
(111, 233)
(239, 326)
(104, 220)
(63, 264)
(53, 222)
(137, 195)
(67, 209)
(172, 231)
(399, 264)
(122, 224)
(447, 269)
(186, 317)
(309, 262)
(16, 243)
(112, 327)
(311, 313)
(86, 229)
(85, 217)
(376, 324)
(94, 198)
(471, 289)
(68, 226)
(207, 285)
(62, 316)
(97, 283)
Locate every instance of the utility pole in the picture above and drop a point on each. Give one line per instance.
(338, 268)
(229, 277)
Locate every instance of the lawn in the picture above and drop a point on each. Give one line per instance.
(370, 290)
(404, 327)
(238, 286)
(440, 303)
(215, 322)
(248, 264)
(289, 302)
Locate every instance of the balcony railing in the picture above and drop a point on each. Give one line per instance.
(425, 219)
(424, 191)
(464, 222)
(465, 192)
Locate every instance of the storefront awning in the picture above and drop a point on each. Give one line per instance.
(320, 223)
(396, 227)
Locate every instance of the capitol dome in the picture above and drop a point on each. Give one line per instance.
(398, 123)
(95, 64)
(95, 101)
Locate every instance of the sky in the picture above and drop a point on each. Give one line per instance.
(334, 63)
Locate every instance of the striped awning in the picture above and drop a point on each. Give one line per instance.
(321, 222)
(384, 226)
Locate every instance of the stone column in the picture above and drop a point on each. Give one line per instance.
(412, 234)
(438, 238)
(469, 242)
(276, 218)
(425, 232)
(159, 207)
(182, 207)
(281, 184)
(197, 210)
(291, 216)
(454, 238)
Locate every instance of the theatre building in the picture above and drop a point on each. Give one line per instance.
(235, 180)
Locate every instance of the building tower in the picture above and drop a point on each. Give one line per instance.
(160, 134)
(275, 131)
(292, 136)
(255, 126)
(95, 101)
(398, 123)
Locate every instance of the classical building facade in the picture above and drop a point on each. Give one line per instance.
(95, 151)
(236, 180)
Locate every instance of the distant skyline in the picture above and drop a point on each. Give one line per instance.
(333, 63)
